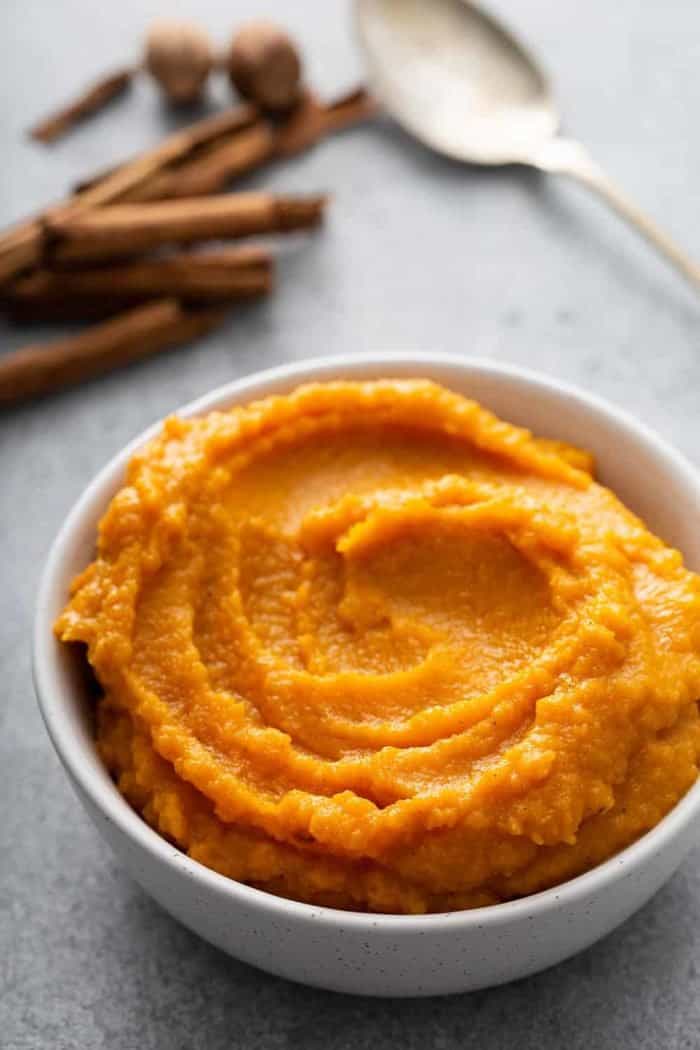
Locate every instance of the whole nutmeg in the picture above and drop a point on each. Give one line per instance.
(265, 67)
(180, 57)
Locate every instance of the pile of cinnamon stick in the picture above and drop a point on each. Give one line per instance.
(141, 246)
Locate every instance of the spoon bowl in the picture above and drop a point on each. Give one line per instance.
(458, 80)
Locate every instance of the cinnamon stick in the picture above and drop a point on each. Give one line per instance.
(174, 148)
(210, 170)
(248, 149)
(228, 275)
(41, 369)
(21, 247)
(312, 120)
(124, 229)
(95, 98)
(202, 135)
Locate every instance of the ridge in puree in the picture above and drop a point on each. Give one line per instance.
(367, 645)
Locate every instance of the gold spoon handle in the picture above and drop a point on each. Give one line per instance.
(566, 157)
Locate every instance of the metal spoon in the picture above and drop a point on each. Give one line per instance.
(455, 78)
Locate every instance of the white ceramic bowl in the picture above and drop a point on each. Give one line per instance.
(384, 954)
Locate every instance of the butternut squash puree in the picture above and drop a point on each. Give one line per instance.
(367, 645)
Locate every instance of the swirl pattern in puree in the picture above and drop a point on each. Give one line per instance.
(367, 645)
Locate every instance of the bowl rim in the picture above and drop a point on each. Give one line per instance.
(106, 799)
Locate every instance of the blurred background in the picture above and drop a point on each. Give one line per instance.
(417, 253)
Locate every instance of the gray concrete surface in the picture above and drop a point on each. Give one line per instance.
(418, 253)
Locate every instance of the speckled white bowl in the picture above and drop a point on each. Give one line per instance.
(384, 954)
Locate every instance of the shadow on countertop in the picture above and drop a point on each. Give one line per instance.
(194, 996)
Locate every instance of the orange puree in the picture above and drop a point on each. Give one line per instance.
(366, 645)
